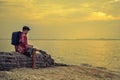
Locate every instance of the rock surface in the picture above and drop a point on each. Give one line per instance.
(59, 73)
(11, 60)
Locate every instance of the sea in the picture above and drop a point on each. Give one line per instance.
(98, 53)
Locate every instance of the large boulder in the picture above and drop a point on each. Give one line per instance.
(10, 60)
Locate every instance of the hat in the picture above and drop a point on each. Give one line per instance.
(26, 28)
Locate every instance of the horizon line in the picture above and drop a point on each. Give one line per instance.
(73, 39)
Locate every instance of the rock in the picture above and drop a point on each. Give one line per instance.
(86, 65)
(11, 60)
(102, 68)
(60, 64)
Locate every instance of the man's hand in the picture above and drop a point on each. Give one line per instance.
(29, 46)
(36, 49)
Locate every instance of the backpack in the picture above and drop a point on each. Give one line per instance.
(15, 38)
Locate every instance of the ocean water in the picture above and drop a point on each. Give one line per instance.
(102, 53)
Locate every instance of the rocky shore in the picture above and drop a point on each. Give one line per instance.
(59, 73)
(49, 70)
(11, 60)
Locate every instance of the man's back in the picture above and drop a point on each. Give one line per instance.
(21, 48)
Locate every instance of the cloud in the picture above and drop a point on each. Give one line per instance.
(114, 1)
(111, 7)
(58, 11)
(64, 17)
(96, 16)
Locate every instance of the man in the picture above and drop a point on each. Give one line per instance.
(23, 46)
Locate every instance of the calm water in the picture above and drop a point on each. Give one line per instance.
(104, 53)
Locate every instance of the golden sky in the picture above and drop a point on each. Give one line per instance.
(61, 19)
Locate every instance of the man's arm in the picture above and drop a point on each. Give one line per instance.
(29, 46)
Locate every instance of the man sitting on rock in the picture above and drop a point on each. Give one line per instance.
(24, 48)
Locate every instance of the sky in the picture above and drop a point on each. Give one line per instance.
(61, 19)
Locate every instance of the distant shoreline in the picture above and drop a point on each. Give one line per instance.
(67, 39)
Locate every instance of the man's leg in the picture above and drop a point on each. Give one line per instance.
(34, 59)
(16, 47)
